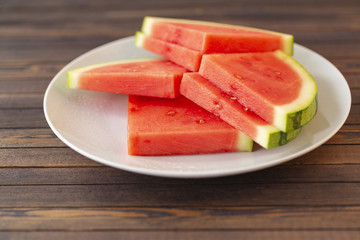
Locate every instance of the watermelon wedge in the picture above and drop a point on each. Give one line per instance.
(158, 126)
(211, 98)
(210, 37)
(189, 59)
(272, 84)
(147, 77)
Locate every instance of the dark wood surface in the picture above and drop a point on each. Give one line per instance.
(48, 191)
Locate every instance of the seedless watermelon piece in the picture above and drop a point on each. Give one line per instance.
(190, 59)
(158, 126)
(271, 84)
(147, 77)
(210, 37)
(211, 98)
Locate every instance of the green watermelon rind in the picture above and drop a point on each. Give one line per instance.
(73, 75)
(301, 111)
(288, 39)
(271, 137)
(245, 144)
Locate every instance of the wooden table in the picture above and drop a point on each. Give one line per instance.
(48, 191)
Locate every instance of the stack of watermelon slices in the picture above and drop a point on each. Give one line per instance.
(219, 88)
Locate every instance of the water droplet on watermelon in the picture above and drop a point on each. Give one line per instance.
(217, 104)
(238, 76)
(171, 113)
(134, 109)
(278, 73)
(200, 121)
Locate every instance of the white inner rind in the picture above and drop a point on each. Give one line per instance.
(263, 134)
(306, 96)
(149, 22)
(288, 41)
(139, 39)
(72, 79)
(244, 143)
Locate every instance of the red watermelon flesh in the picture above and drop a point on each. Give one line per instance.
(189, 59)
(159, 126)
(207, 95)
(272, 84)
(146, 77)
(209, 37)
(252, 80)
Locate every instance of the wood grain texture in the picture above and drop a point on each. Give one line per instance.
(96, 175)
(19, 138)
(230, 218)
(189, 194)
(185, 234)
(66, 157)
(49, 191)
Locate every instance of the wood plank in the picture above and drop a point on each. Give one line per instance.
(50, 54)
(348, 134)
(22, 118)
(21, 100)
(106, 175)
(44, 157)
(355, 97)
(81, 31)
(354, 115)
(180, 195)
(26, 85)
(175, 234)
(330, 154)
(157, 8)
(29, 69)
(19, 138)
(112, 3)
(162, 219)
(66, 157)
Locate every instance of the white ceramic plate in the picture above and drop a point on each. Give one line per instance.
(94, 124)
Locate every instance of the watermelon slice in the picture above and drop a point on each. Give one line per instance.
(210, 37)
(272, 84)
(158, 126)
(147, 77)
(189, 59)
(211, 98)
